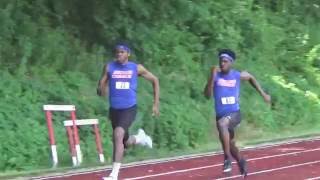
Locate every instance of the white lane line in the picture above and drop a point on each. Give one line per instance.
(165, 160)
(314, 178)
(275, 169)
(210, 166)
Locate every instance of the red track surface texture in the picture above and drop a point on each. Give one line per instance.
(293, 161)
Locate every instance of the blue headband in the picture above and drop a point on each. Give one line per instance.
(123, 47)
(227, 56)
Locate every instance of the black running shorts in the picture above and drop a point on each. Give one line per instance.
(123, 118)
(234, 119)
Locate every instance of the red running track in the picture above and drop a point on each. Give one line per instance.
(292, 160)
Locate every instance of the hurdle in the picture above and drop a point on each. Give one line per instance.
(81, 122)
(75, 148)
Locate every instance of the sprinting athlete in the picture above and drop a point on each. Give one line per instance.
(120, 76)
(224, 84)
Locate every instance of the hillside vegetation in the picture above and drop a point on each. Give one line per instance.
(54, 51)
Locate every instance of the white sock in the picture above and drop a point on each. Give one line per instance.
(115, 169)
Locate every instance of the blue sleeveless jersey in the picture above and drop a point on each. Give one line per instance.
(122, 84)
(226, 92)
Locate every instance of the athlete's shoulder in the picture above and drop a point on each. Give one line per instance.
(133, 62)
(235, 71)
(110, 62)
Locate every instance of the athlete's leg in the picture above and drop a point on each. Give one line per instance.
(126, 119)
(234, 122)
(140, 138)
(118, 149)
(121, 122)
(118, 146)
(237, 156)
(233, 148)
(224, 136)
(131, 141)
(119, 126)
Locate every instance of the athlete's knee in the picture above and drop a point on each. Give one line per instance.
(118, 134)
(232, 142)
(231, 132)
(222, 125)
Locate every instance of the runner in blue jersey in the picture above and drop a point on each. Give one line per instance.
(120, 76)
(224, 84)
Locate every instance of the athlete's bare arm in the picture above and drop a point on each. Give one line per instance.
(208, 90)
(244, 75)
(103, 82)
(142, 71)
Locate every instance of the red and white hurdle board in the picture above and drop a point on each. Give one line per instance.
(72, 132)
(82, 122)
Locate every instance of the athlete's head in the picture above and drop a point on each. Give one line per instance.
(226, 59)
(122, 53)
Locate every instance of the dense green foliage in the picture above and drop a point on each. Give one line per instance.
(53, 52)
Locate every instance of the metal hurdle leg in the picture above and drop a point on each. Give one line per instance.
(98, 143)
(71, 146)
(76, 137)
(54, 153)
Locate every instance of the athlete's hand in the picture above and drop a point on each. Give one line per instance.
(267, 98)
(214, 70)
(155, 110)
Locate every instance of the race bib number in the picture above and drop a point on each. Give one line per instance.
(228, 100)
(122, 85)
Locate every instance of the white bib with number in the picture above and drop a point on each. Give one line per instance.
(228, 100)
(122, 85)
